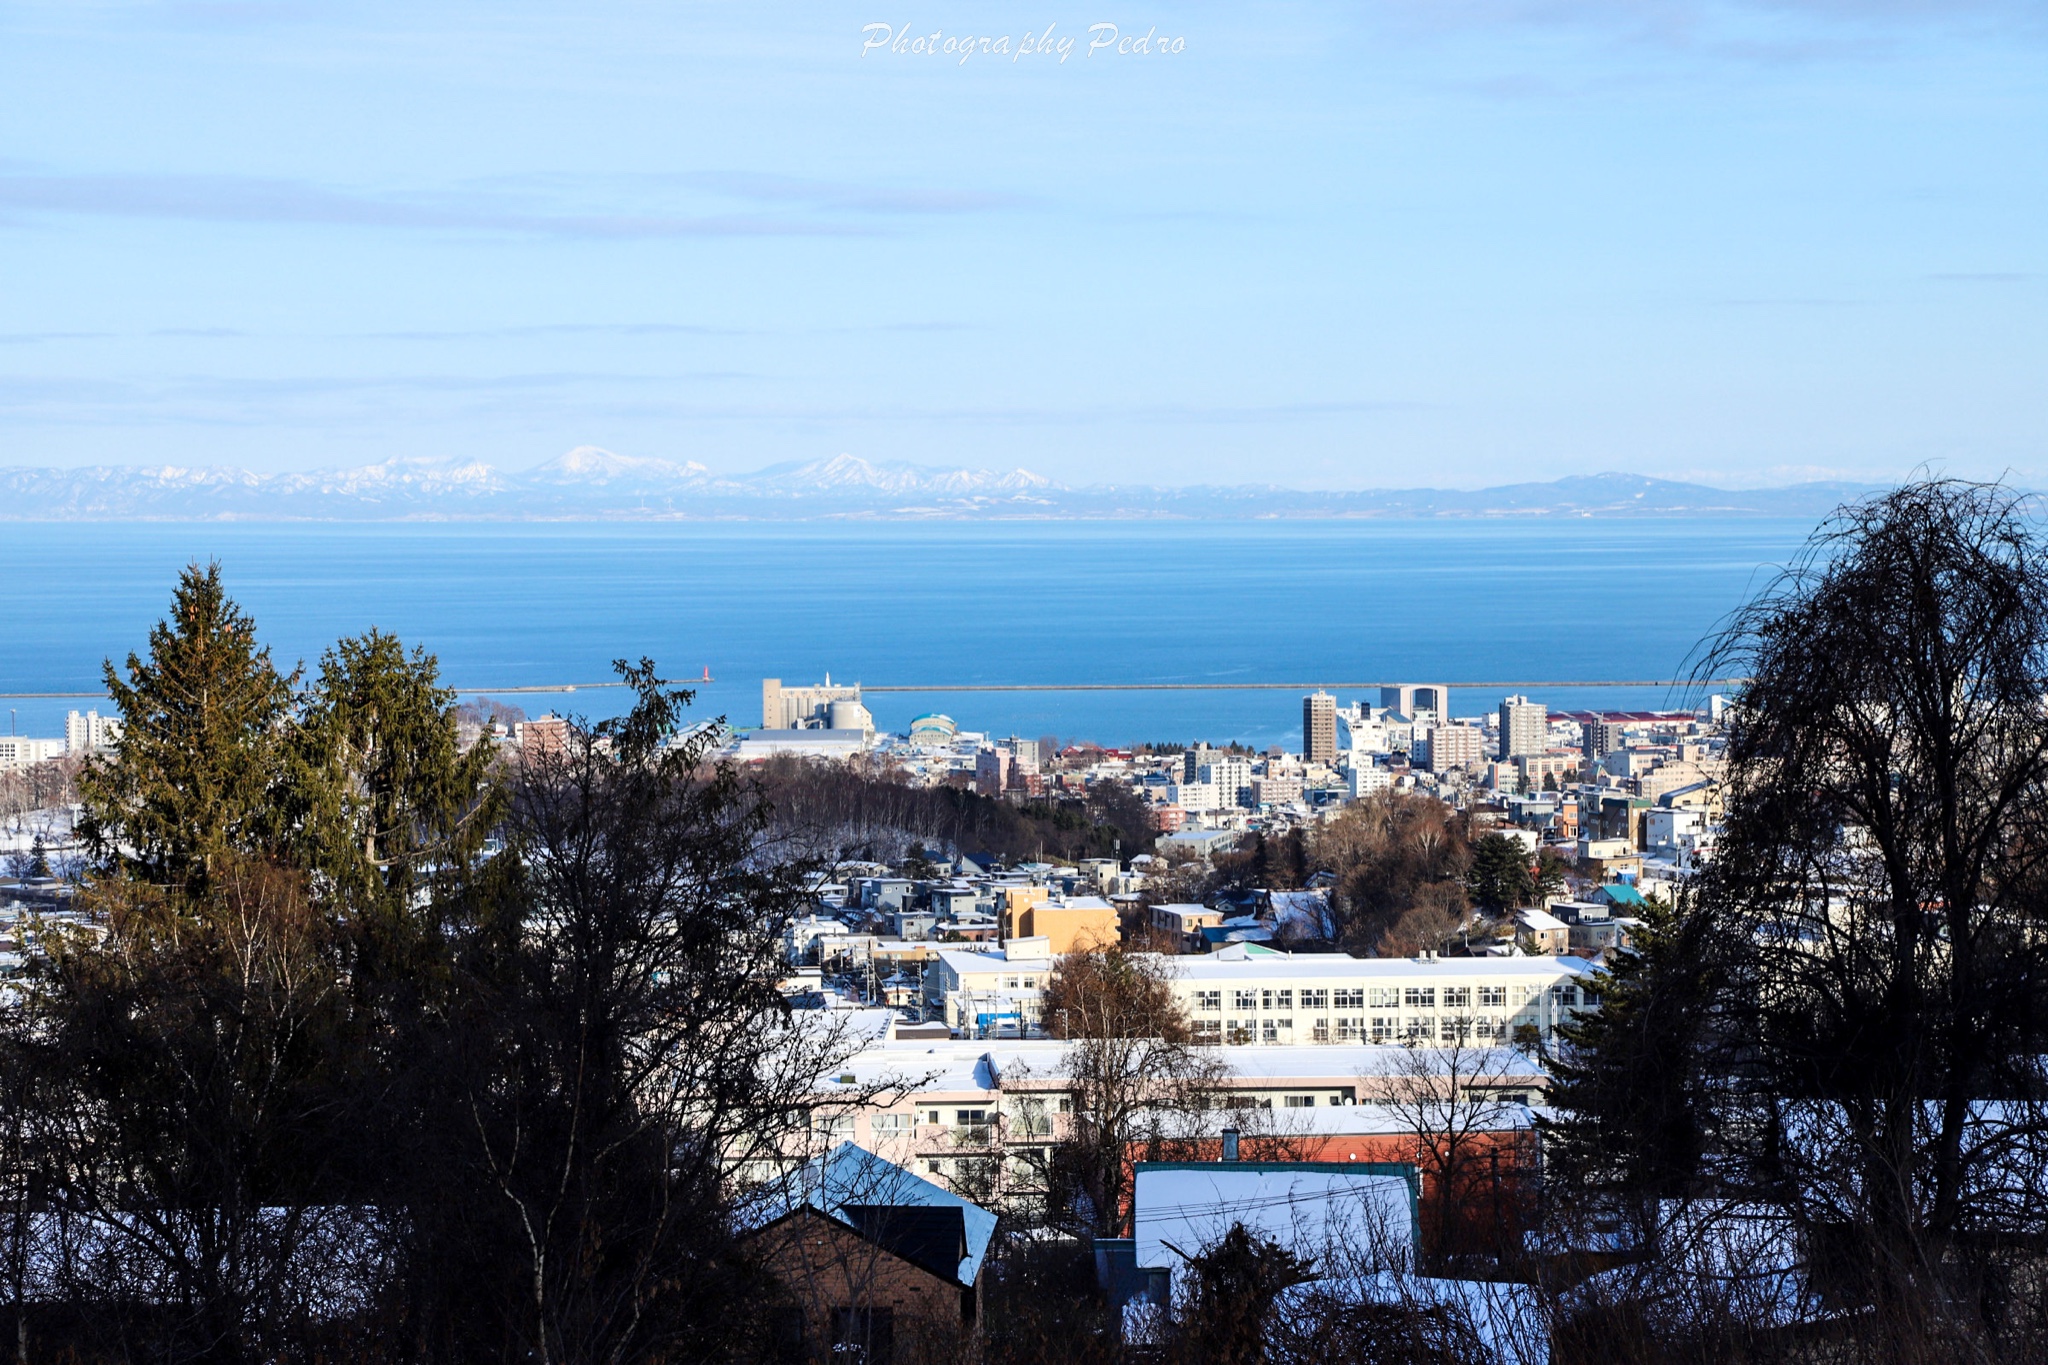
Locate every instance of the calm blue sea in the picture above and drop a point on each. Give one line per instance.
(940, 603)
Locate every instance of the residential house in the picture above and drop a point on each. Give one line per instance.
(875, 1264)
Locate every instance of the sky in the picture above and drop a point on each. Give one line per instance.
(1365, 244)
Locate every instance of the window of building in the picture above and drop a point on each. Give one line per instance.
(1032, 1120)
(838, 1126)
(1283, 1000)
(1452, 1029)
(972, 1118)
(1320, 1031)
(1386, 997)
(863, 1336)
(890, 1125)
(1315, 1000)
(1349, 998)
(1208, 1000)
(1420, 998)
(1208, 1032)
(1385, 1027)
(1421, 1026)
(787, 1330)
(1244, 1000)
(1493, 997)
(1270, 1033)
(1347, 1030)
(1457, 997)
(1300, 1101)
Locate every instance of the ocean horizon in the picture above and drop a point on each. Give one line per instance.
(928, 603)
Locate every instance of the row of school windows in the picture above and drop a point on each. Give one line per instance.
(1033, 1116)
(1378, 997)
(1377, 1028)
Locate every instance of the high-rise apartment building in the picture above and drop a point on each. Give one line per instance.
(1319, 728)
(991, 770)
(1230, 775)
(1599, 738)
(1524, 727)
(1456, 746)
(1024, 754)
(542, 738)
(90, 732)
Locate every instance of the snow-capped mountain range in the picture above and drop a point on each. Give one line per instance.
(591, 484)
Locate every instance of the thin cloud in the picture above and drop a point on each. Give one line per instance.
(825, 194)
(254, 199)
(629, 329)
(328, 400)
(1812, 301)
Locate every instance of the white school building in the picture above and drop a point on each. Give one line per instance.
(1245, 995)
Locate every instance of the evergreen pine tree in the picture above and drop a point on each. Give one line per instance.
(1630, 1120)
(1500, 876)
(381, 794)
(193, 778)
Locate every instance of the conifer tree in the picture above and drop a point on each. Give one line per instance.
(1500, 877)
(381, 793)
(1630, 1120)
(193, 778)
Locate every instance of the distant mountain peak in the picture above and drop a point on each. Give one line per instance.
(592, 483)
(894, 477)
(595, 464)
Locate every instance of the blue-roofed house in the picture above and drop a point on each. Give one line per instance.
(875, 1262)
(1622, 896)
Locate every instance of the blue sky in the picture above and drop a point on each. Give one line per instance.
(1450, 242)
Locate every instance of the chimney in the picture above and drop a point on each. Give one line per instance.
(1230, 1144)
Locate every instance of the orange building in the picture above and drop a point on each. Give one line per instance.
(1083, 924)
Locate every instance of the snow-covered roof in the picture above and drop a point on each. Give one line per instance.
(849, 1178)
(1310, 966)
(1318, 1210)
(963, 963)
